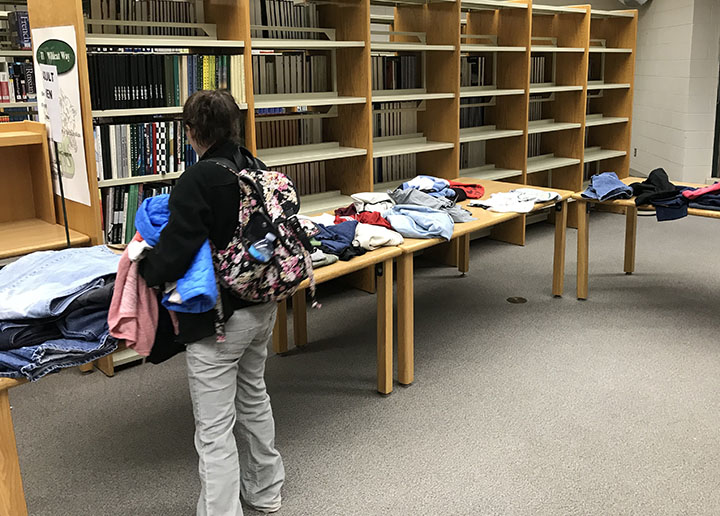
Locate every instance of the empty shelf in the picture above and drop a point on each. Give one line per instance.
(30, 235)
(304, 99)
(150, 178)
(598, 153)
(396, 46)
(599, 85)
(385, 19)
(482, 5)
(553, 89)
(8, 52)
(301, 44)
(407, 95)
(398, 145)
(548, 162)
(126, 356)
(159, 41)
(556, 9)
(15, 105)
(550, 125)
(606, 50)
(595, 120)
(14, 138)
(472, 47)
(489, 172)
(389, 185)
(486, 132)
(599, 13)
(474, 91)
(307, 153)
(551, 48)
(321, 202)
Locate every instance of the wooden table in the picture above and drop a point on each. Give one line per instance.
(382, 260)
(12, 497)
(631, 213)
(462, 231)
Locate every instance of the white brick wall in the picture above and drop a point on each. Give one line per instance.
(676, 80)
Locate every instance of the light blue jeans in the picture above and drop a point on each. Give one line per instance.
(227, 386)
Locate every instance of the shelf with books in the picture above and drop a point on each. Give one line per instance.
(9, 52)
(151, 178)
(550, 125)
(548, 162)
(294, 154)
(323, 202)
(143, 41)
(487, 132)
(592, 120)
(406, 144)
(406, 95)
(290, 100)
(16, 105)
(598, 153)
(489, 171)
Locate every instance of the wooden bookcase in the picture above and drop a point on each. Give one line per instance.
(28, 220)
(507, 32)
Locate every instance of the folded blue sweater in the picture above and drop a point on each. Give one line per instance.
(413, 221)
(607, 186)
(197, 288)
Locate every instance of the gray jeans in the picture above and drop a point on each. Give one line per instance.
(227, 386)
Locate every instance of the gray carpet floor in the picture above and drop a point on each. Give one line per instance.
(556, 406)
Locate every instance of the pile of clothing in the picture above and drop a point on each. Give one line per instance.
(520, 200)
(670, 201)
(53, 311)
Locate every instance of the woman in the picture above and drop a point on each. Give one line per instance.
(226, 379)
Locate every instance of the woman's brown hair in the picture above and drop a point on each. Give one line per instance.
(213, 116)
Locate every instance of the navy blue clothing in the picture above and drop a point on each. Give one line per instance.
(709, 201)
(337, 238)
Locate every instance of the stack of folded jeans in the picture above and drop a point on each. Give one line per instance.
(53, 311)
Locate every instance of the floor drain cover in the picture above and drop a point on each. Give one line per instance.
(516, 300)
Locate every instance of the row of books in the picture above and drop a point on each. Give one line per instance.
(16, 30)
(394, 119)
(284, 133)
(395, 72)
(120, 206)
(473, 71)
(292, 72)
(283, 13)
(160, 11)
(472, 154)
(122, 81)
(142, 149)
(308, 178)
(471, 116)
(537, 69)
(17, 81)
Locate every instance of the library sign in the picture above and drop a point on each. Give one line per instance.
(57, 53)
(56, 49)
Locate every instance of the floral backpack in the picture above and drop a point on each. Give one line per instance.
(268, 204)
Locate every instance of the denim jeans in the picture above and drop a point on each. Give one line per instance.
(227, 386)
(44, 284)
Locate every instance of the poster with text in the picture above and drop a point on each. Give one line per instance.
(57, 46)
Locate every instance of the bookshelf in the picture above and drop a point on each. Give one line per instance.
(28, 220)
(542, 129)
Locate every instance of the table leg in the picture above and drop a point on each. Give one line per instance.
(405, 316)
(106, 365)
(300, 318)
(384, 327)
(12, 497)
(464, 253)
(559, 256)
(582, 250)
(630, 238)
(280, 333)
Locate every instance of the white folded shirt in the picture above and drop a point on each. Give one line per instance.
(520, 200)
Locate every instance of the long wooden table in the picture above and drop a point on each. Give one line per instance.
(382, 260)
(631, 214)
(12, 497)
(462, 232)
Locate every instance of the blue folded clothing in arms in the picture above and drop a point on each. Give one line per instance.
(607, 186)
(196, 292)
